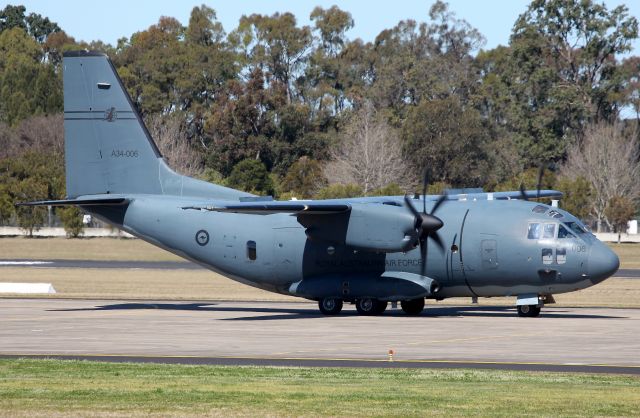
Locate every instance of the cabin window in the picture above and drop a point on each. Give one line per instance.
(561, 255)
(534, 231)
(549, 231)
(539, 209)
(547, 256)
(251, 250)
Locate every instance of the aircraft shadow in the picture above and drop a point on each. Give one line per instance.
(312, 313)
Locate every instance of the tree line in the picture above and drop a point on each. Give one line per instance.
(275, 107)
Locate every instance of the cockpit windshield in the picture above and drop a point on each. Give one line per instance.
(576, 228)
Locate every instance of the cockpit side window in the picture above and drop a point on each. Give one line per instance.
(549, 231)
(534, 230)
(564, 232)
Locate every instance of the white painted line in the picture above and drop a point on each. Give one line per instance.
(26, 288)
(23, 263)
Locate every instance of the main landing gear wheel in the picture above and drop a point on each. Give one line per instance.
(330, 306)
(413, 306)
(370, 306)
(529, 311)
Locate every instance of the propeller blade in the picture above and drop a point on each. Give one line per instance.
(425, 184)
(407, 202)
(539, 184)
(436, 238)
(423, 257)
(439, 202)
(523, 193)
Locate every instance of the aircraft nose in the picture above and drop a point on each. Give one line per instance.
(603, 262)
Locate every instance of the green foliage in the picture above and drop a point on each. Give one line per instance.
(529, 179)
(340, 191)
(30, 218)
(273, 91)
(388, 190)
(38, 27)
(251, 176)
(304, 178)
(6, 205)
(28, 177)
(447, 138)
(27, 86)
(578, 196)
(71, 218)
(212, 176)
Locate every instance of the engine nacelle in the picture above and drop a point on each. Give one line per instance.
(370, 227)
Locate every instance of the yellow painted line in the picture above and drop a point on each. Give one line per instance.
(361, 360)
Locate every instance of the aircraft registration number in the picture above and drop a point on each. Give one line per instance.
(119, 153)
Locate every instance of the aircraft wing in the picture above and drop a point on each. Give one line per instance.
(531, 194)
(99, 200)
(267, 208)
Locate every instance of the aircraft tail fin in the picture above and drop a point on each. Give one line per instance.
(108, 149)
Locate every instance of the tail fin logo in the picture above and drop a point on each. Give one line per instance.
(110, 115)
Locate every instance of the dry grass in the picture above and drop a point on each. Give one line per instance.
(137, 284)
(123, 249)
(629, 255)
(206, 285)
(118, 249)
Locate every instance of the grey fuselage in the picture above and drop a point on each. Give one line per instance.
(487, 248)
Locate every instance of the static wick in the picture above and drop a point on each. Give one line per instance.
(391, 353)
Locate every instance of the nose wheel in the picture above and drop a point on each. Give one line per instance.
(529, 311)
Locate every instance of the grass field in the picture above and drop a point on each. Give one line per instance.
(60, 388)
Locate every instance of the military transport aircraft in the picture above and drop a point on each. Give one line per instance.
(367, 251)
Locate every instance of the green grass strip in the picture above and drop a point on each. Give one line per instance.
(82, 388)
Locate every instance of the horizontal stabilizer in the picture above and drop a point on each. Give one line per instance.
(78, 202)
(261, 208)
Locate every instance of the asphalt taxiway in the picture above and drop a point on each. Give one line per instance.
(293, 333)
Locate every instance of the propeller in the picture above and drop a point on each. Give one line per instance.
(523, 193)
(427, 224)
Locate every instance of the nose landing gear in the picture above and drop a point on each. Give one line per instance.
(529, 311)
(529, 305)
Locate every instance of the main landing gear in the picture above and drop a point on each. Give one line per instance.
(330, 306)
(369, 306)
(412, 307)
